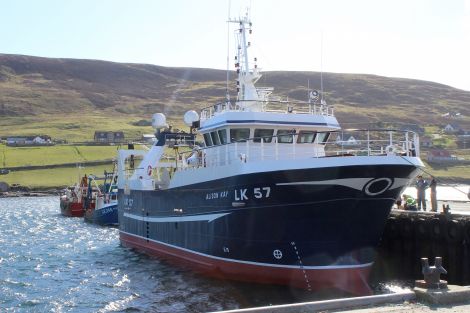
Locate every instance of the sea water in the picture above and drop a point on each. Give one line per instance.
(51, 263)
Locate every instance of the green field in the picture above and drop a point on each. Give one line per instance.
(52, 178)
(59, 154)
(77, 128)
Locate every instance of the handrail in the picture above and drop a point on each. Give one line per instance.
(369, 142)
(294, 107)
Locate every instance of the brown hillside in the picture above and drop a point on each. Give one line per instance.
(33, 85)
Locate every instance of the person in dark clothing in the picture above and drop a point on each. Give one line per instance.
(432, 186)
(421, 186)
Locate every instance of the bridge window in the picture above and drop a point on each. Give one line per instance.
(266, 134)
(306, 136)
(285, 135)
(215, 138)
(222, 136)
(323, 137)
(239, 134)
(208, 139)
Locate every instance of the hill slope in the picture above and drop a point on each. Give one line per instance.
(34, 86)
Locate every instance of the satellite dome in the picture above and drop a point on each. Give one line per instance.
(159, 120)
(190, 117)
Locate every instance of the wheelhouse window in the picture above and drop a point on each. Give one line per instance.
(222, 136)
(306, 136)
(265, 134)
(323, 137)
(239, 134)
(215, 138)
(208, 139)
(285, 135)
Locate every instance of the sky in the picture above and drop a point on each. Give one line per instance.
(421, 39)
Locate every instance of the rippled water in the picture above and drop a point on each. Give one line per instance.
(50, 263)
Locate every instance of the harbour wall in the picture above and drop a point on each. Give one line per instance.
(410, 236)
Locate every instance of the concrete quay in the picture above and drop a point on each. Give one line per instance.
(453, 299)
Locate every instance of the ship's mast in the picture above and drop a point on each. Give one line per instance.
(247, 94)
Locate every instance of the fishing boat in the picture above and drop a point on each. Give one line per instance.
(101, 203)
(73, 198)
(275, 194)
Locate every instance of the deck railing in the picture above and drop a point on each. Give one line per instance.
(341, 143)
(276, 106)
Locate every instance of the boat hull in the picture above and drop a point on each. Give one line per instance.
(71, 209)
(106, 215)
(311, 228)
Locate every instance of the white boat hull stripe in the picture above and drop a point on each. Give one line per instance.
(186, 218)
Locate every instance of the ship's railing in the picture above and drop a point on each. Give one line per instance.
(276, 105)
(342, 143)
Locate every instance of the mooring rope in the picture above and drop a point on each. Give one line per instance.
(301, 265)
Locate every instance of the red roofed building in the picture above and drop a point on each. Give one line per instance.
(440, 156)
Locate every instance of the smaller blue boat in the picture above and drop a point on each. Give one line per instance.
(101, 205)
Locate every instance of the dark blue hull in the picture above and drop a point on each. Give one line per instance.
(106, 216)
(308, 220)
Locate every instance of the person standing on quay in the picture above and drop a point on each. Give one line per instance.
(433, 185)
(421, 186)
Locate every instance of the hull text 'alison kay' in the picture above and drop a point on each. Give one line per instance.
(275, 195)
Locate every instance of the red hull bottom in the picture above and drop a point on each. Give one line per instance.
(72, 209)
(350, 280)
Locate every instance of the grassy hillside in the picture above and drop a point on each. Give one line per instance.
(78, 96)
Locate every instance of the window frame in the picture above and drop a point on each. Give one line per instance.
(289, 133)
(308, 132)
(232, 139)
(266, 139)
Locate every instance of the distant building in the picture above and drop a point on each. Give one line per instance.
(426, 142)
(463, 141)
(109, 136)
(441, 156)
(350, 141)
(22, 141)
(149, 138)
(412, 127)
(451, 129)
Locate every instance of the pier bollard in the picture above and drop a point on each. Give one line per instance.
(432, 275)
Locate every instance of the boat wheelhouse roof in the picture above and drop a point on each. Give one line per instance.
(272, 119)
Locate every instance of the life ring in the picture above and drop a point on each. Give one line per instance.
(391, 150)
(149, 170)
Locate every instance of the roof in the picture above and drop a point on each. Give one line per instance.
(440, 153)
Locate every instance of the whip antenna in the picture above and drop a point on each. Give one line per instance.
(227, 96)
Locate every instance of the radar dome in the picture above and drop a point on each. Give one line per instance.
(159, 120)
(190, 117)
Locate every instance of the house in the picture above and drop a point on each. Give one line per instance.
(412, 127)
(149, 138)
(451, 129)
(41, 140)
(109, 136)
(463, 141)
(426, 142)
(351, 141)
(441, 156)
